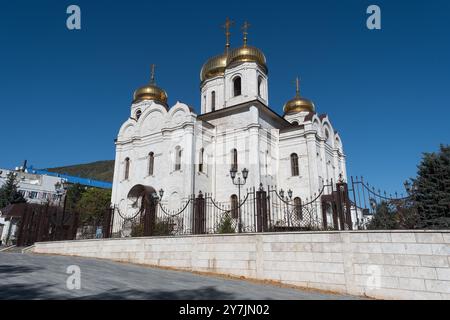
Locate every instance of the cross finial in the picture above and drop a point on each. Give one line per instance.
(245, 31)
(297, 86)
(152, 73)
(226, 26)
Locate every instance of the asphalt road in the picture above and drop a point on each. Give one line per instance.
(27, 276)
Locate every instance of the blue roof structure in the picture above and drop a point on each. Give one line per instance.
(73, 179)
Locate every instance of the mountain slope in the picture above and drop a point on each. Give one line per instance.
(99, 170)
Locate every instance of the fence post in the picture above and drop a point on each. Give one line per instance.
(324, 205)
(261, 210)
(149, 217)
(199, 214)
(343, 205)
(107, 223)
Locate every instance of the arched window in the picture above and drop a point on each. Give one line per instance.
(138, 114)
(237, 86)
(259, 86)
(234, 159)
(178, 158)
(151, 162)
(234, 206)
(327, 136)
(127, 168)
(294, 164)
(213, 101)
(298, 208)
(201, 160)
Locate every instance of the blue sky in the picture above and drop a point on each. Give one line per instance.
(64, 94)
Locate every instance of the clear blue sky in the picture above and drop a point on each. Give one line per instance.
(64, 94)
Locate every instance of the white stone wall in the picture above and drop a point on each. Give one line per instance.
(384, 265)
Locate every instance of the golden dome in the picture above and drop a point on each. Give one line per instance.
(247, 54)
(214, 67)
(298, 104)
(150, 92)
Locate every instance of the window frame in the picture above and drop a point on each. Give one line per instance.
(237, 91)
(295, 172)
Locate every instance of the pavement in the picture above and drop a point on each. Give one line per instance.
(29, 276)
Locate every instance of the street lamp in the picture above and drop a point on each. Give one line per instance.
(238, 182)
(161, 193)
(286, 201)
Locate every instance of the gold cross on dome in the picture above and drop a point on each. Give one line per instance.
(226, 26)
(152, 73)
(245, 31)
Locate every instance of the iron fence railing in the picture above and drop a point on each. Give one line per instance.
(336, 206)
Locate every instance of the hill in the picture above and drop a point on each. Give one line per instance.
(99, 170)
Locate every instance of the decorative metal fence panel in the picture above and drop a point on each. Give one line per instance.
(336, 206)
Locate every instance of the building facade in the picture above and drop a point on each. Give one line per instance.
(35, 188)
(182, 152)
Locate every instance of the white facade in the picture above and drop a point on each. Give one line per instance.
(176, 138)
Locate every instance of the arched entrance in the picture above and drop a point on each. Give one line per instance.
(142, 204)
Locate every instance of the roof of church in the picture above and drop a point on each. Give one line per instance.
(242, 106)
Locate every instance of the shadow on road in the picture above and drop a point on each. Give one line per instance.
(12, 270)
(26, 292)
(45, 292)
(205, 293)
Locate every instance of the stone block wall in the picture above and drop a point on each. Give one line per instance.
(384, 265)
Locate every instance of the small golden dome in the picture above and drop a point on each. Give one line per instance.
(150, 92)
(298, 104)
(214, 67)
(247, 54)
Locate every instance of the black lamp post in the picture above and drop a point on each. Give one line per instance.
(238, 182)
(286, 201)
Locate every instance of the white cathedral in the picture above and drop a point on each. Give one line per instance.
(174, 149)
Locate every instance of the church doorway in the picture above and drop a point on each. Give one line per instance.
(142, 205)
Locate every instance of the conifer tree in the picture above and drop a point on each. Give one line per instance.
(9, 193)
(430, 190)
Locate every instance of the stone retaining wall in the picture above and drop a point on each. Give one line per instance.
(385, 265)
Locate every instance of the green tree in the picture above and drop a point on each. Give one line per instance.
(430, 190)
(74, 193)
(385, 218)
(93, 204)
(226, 225)
(9, 193)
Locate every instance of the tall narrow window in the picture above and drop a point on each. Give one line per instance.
(298, 208)
(213, 101)
(127, 168)
(259, 85)
(200, 160)
(178, 158)
(234, 159)
(237, 86)
(294, 164)
(151, 163)
(234, 206)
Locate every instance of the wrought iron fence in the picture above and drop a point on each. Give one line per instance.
(260, 210)
(365, 200)
(336, 206)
